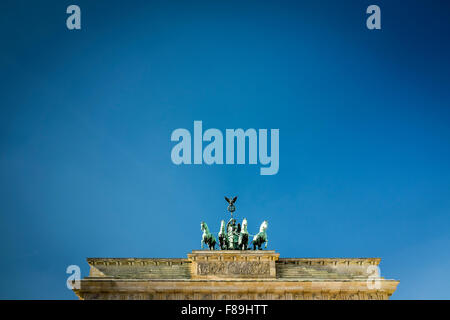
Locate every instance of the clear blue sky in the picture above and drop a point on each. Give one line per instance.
(86, 118)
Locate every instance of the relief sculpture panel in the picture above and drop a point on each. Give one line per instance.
(233, 268)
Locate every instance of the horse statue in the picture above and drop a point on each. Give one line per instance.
(243, 236)
(261, 237)
(223, 240)
(207, 237)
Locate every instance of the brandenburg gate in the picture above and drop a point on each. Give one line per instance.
(235, 272)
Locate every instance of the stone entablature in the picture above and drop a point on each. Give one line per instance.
(233, 264)
(233, 290)
(235, 275)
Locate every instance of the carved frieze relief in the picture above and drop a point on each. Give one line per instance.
(233, 268)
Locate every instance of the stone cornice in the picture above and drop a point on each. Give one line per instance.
(193, 256)
(135, 261)
(331, 261)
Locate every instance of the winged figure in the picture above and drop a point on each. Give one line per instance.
(231, 208)
(232, 201)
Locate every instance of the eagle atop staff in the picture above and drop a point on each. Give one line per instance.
(231, 208)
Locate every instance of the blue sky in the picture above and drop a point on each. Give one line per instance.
(86, 118)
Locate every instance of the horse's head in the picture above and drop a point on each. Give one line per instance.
(264, 226)
(204, 227)
(244, 224)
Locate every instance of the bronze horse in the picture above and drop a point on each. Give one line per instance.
(207, 237)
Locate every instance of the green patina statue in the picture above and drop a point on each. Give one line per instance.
(207, 237)
(231, 208)
(223, 240)
(234, 236)
(233, 231)
(243, 236)
(261, 237)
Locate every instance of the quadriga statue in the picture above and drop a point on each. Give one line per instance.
(234, 236)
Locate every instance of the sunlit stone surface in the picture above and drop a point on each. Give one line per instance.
(235, 275)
